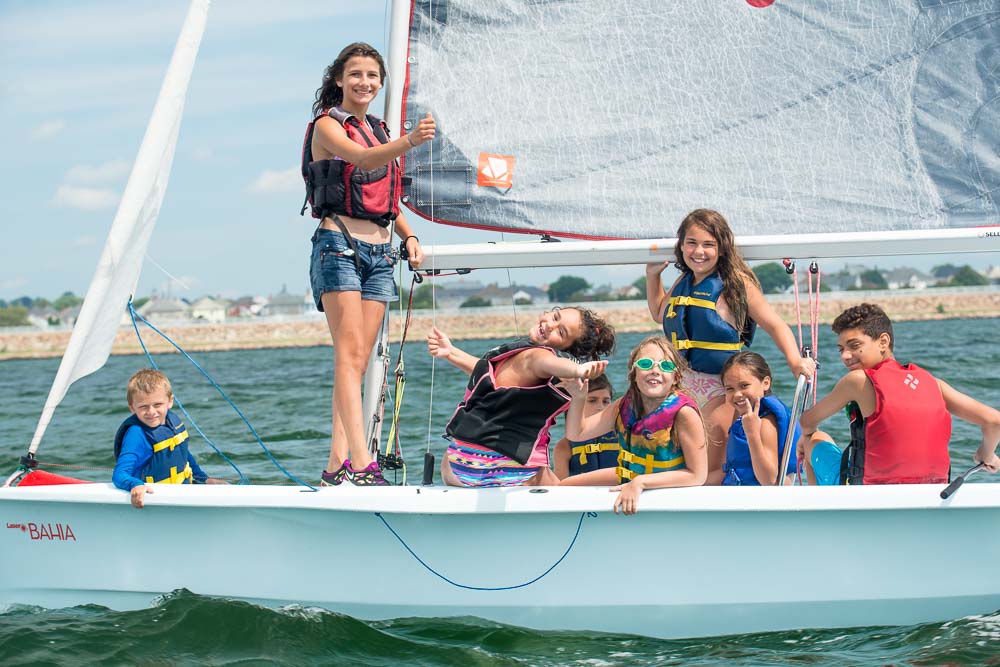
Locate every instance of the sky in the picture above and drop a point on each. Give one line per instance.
(77, 85)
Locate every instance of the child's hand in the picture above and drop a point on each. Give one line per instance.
(988, 458)
(749, 413)
(138, 496)
(654, 269)
(576, 387)
(591, 369)
(805, 366)
(438, 344)
(415, 252)
(628, 496)
(424, 131)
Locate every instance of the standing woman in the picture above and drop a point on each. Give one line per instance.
(354, 181)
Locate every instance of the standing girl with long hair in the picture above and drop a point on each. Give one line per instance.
(353, 181)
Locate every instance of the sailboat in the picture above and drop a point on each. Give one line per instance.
(845, 129)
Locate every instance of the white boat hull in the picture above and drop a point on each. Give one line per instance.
(693, 562)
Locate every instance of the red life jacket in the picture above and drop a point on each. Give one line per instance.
(338, 187)
(906, 438)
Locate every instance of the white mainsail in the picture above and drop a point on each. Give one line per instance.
(121, 260)
(620, 116)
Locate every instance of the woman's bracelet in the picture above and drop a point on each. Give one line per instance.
(410, 141)
(411, 236)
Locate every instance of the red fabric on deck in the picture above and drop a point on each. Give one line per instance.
(42, 478)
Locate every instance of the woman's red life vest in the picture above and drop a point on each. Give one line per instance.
(906, 438)
(336, 186)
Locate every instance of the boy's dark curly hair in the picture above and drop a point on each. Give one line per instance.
(868, 317)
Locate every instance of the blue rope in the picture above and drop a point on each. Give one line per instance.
(243, 480)
(483, 588)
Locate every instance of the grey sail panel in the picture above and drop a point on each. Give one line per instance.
(622, 115)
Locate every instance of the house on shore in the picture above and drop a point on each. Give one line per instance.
(285, 304)
(209, 309)
(162, 310)
(906, 278)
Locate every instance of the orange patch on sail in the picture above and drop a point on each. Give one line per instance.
(496, 171)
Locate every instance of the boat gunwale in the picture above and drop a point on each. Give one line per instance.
(439, 500)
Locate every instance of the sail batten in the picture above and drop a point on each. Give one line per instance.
(616, 117)
(118, 269)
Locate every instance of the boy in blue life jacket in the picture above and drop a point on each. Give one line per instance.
(572, 458)
(151, 445)
(900, 414)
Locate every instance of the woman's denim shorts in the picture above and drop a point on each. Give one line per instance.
(332, 271)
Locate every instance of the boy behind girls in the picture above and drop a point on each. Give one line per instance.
(572, 458)
(151, 445)
(900, 417)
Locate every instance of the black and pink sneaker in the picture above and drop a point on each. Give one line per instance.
(337, 477)
(370, 476)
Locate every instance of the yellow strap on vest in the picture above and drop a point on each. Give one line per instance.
(175, 477)
(647, 461)
(682, 344)
(593, 448)
(692, 301)
(687, 301)
(171, 442)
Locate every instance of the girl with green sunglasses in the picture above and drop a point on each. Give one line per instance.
(653, 417)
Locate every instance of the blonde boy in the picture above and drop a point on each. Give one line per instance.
(151, 445)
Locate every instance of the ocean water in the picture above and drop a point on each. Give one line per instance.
(285, 394)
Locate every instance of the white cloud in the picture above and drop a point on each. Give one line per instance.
(271, 181)
(109, 172)
(87, 199)
(48, 129)
(202, 154)
(13, 283)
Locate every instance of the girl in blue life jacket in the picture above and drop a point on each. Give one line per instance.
(353, 182)
(709, 313)
(760, 426)
(660, 432)
(571, 457)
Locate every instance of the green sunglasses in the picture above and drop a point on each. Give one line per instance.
(646, 364)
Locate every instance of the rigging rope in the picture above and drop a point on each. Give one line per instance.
(437, 574)
(243, 480)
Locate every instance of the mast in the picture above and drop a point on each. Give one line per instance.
(378, 362)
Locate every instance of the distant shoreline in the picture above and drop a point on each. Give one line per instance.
(493, 322)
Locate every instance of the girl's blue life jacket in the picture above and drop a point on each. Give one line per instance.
(596, 454)
(696, 330)
(739, 465)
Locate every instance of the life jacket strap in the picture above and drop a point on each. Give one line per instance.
(171, 442)
(175, 477)
(592, 448)
(687, 301)
(648, 462)
(682, 344)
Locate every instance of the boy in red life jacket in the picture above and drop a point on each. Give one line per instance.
(900, 413)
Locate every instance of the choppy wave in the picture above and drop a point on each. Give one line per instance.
(184, 628)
